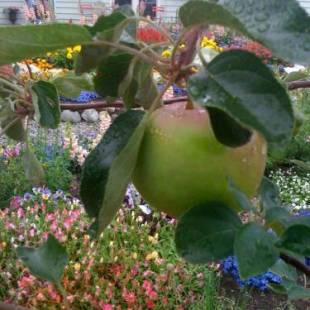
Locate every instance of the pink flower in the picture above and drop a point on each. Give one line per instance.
(32, 232)
(50, 217)
(104, 306)
(129, 297)
(153, 295)
(25, 282)
(20, 213)
(147, 285)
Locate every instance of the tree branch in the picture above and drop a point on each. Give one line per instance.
(295, 263)
(298, 84)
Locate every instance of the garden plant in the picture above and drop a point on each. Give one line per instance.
(201, 160)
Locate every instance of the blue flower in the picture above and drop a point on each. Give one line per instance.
(229, 266)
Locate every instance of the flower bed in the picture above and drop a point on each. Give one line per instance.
(132, 264)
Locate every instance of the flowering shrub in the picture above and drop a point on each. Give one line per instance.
(84, 97)
(120, 270)
(230, 266)
(294, 188)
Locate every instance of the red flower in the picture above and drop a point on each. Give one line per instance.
(150, 35)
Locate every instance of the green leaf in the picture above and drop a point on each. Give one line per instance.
(138, 87)
(130, 32)
(277, 219)
(206, 233)
(21, 42)
(296, 239)
(226, 130)
(239, 84)
(295, 291)
(106, 28)
(295, 76)
(108, 168)
(147, 91)
(71, 85)
(269, 195)
(16, 131)
(255, 250)
(46, 103)
(241, 198)
(46, 262)
(111, 73)
(284, 270)
(33, 169)
(282, 26)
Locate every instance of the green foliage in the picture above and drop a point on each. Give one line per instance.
(70, 85)
(240, 92)
(22, 42)
(108, 169)
(107, 81)
(282, 26)
(46, 262)
(206, 233)
(237, 83)
(255, 250)
(46, 103)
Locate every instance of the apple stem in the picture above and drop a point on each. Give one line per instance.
(189, 105)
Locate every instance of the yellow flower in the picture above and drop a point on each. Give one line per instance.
(153, 240)
(48, 54)
(77, 266)
(77, 48)
(69, 50)
(166, 53)
(69, 56)
(134, 255)
(152, 255)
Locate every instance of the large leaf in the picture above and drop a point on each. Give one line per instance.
(110, 74)
(277, 218)
(284, 270)
(255, 250)
(71, 85)
(16, 130)
(106, 28)
(282, 26)
(138, 87)
(46, 103)
(240, 197)
(46, 262)
(296, 239)
(269, 195)
(226, 130)
(108, 168)
(33, 169)
(206, 233)
(295, 291)
(20, 42)
(238, 83)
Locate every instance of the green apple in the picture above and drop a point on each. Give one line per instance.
(181, 164)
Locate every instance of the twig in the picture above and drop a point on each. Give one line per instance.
(157, 100)
(127, 49)
(11, 85)
(295, 263)
(298, 84)
(29, 70)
